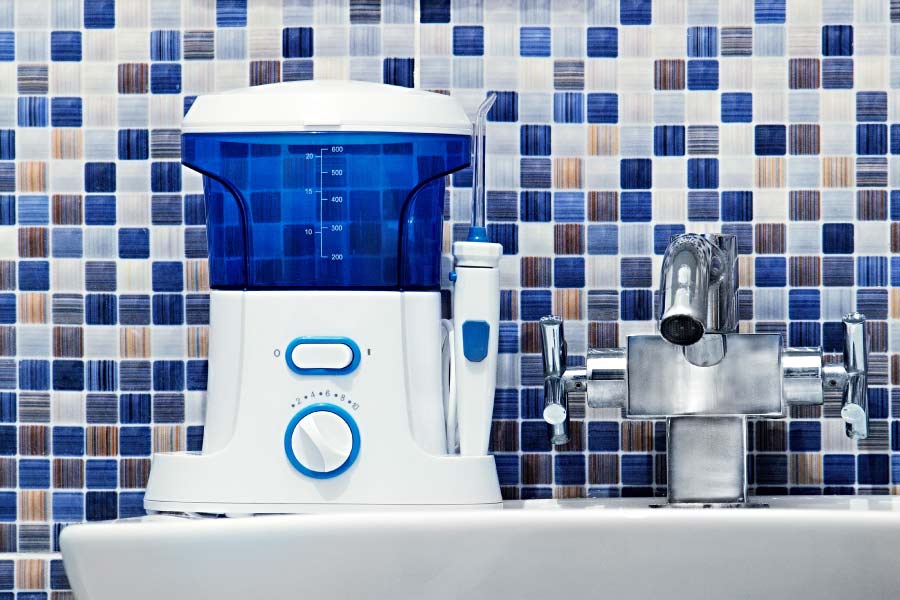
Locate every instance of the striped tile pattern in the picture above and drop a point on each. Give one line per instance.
(777, 122)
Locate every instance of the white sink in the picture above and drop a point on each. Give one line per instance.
(799, 548)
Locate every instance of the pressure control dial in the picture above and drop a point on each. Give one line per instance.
(322, 441)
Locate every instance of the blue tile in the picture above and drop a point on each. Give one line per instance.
(34, 275)
(737, 206)
(134, 408)
(34, 210)
(100, 309)
(637, 469)
(635, 12)
(468, 40)
(837, 238)
(636, 305)
(837, 271)
(703, 74)
(805, 436)
(68, 507)
(101, 375)
(68, 375)
(197, 371)
(872, 271)
(134, 441)
(703, 206)
(7, 208)
(67, 243)
(65, 46)
(297, 42)
(703, 173)
(769, 11)
(535, 437)
(771, 469)
(569, 469)
(804, 334)
(7, 46)
(101, 474)
(100, 506)
(100, 177)
(534, 41)
(873, 469)
(398, 71)
(837, 73)
(165, 45)
(804, 304)
(9, 444)
(7, 407)
(99, 14)
(134, 243)
(7, 144)
(871, 139)
(568, 272)
(32, 111)
(165, 78)
(872, 302)
(603, 239)
(68, 441)
(505, 108)
(195, 440)
(535, 304)
(568, 107)
(668, 140)
(636, 173)
(602, 42)
(168, 309)
(58, 579)
(134, 144)
(8, 507)
(568, 207)
(771, 271)
(231, 13)
(535, 173)
(7, 574)
(434, 11)
(895, 149)
(662, 235)
(7, 309)
(636, 207)
(603, 108)
(534, 140)
(871, 106)
(603, 436)
(100, 210)
(636, 271)
(506, 400)
(165, 177)
(837, 40)
(771, 140)
(34, 473)
(702, 42)
(131, 504)
(293, 70)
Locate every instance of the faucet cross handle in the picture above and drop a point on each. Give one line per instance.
(555, 353)
(851, 377)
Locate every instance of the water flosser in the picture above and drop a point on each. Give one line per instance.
(476, 312)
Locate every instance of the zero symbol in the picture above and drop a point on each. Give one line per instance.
(277, 352)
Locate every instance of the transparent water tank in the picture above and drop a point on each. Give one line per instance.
(325, 185)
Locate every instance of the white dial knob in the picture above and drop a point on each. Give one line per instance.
(323, 443)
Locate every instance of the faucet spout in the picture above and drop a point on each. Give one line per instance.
(697, 287)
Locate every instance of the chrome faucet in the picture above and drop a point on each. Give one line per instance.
(702, 376)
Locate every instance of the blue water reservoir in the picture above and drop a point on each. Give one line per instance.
(324, 210)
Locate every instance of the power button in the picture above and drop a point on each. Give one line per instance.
(322, 355)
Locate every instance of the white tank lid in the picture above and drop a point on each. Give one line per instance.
(327, 106)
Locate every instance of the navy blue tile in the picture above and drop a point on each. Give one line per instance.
(895, 149)
(603, 436)
(771, 469)
(804, 304)
(34, 374)
(771, 140)
(703, 173)
(101, 474)
(195, 441)
(398, 71)
(637, 469)
(34, 275)
(668, 140)
(737, 206)
(168, 276)
(872, 302)
(65, 46)
(568, 272)
(100, 506)
(837, 40)
(636, 173)
(535, 437)
(635, 12)
(603, 108)
(197, 370)
(34, 473)
(768, 11)
(99, 14)
(534, 140)
(100, 309)
(231, 13)
(297, 42)
(7, 144)
(663, 234)
(134, 242)
(505, 108)
(134, 144)
(9, 443)
(131, 504)
(7, 309)
(7, 206)
(804, 334)
(100, 210)
(569, 469)
(771, 271)
(636, 305)
(134, 408)
(68, 441)
(168, 309)
(58, 579)
(535, 304)
(506, 234)
(636, 207)
(702, 42)
(101, 375)
(434, 11)
(534, 41)
(100, 177)
(703, 74)
(871, 139)
(468, 40)
(68, 375)
(837, 238)
(873, 469)
(805, 436)
(134, 441)
(602, 42)
(7, 407)
(165, 78)
(872, 271)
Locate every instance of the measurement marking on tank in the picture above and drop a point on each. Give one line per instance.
(334, 199)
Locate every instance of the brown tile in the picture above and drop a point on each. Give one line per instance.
(803, 73)
(168, 438)
(134, 472)
(805, 205)
(535, 271)
(568, 238)
(637, 436)
(265, 71)
(134, 342)
(806, 469)
(804, 139)
(872, 205)
(603, 469)
(67, 144)
(504, 436)
(770, 238)
(68, 473)
(102, 440)
(530, 337)
(8, 472)
(769, 436)
(567, 173)
(567, 303)
(34, 440)
(770, 171)
(805, 271)
(133, 78)
(603, 206)
(603, 140)
(31, 573)
(68, 342)
(603, 335)
(837, 171)
(668, 74)
(32, 307)
(33, 505)
(67, 209)
(7, 340)
(34, 242)
(563, 492)
(31, 176)
(537, 469)
(576, 438)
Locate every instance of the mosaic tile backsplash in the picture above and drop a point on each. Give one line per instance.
(618, 123)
